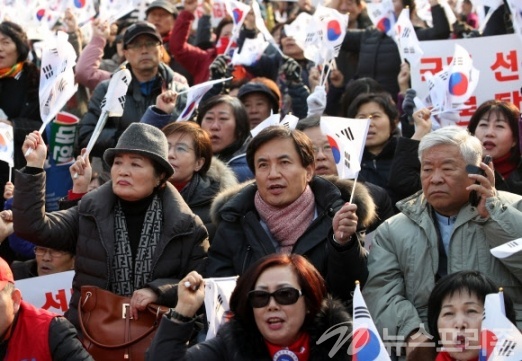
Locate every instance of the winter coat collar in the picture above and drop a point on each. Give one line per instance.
(239, 200)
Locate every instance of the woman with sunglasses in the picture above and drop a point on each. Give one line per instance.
(280, 310)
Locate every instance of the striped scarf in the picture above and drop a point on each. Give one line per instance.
(11, 72)
(126, 276)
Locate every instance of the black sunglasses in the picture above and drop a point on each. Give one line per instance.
(283, 296)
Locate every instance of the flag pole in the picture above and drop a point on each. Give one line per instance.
(10, 172)
(95, 135)
(353, 188)
(501, 297)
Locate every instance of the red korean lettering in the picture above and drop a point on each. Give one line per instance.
(58, 301)
(506, 66)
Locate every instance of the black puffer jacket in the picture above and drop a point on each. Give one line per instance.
(89, 228)
(241, 240)
(135, 106)
(234, 342)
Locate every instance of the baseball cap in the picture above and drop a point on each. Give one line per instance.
(262, 87)
(140, 28)
(162, 4)
(6, 275)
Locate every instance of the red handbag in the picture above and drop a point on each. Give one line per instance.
(109, 333)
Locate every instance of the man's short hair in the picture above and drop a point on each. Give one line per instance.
(469, 146)
(303, 145)
(312, 121)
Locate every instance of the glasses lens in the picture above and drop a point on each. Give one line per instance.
(286, 296)
(258, 299)
(283, 296)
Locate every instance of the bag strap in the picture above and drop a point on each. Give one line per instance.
(159, 314)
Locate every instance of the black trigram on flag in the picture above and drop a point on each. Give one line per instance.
(309, 37)
(347, 132)
(122, 101)
(48, 71)
(62, 85)
(54, 51)
(507, 348)
(347, 160)
(406, 33)
(285, 124)
(458, 61)
(64, 66)
(361, 312)
(125, 80)
(512, 244)
(377, 13)
(103, 102)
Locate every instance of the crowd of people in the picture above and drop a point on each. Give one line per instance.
(158, 205)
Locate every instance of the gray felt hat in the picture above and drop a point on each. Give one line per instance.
(142, 139)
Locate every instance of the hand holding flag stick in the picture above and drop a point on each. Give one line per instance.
(112, 104)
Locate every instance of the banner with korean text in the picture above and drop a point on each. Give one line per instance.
(51, 292)
(498, 59)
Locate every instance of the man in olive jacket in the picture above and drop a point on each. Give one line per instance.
(439, 232)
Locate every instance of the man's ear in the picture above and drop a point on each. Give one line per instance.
(16, 296)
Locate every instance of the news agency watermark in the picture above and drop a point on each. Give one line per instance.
(474, 340)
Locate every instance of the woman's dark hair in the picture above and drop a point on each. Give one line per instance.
(238, 109)
(222, 23)
(473, 282)
(384, 100)
(356, 87)
(303, 144)
(310, 281)
(200, 138)
(19, 37)
(511, 114)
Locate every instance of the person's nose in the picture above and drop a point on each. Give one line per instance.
(272, 304)
(320, 154)
(47, 256)
(490, 130)
(460, 322)
(437, 177)
(273, 172)
(214, 125)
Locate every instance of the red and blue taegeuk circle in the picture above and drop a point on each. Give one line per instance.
(366, 346)
(333, 30)
(335, 149)
(237, 14)
(458, 84)
(79, 3)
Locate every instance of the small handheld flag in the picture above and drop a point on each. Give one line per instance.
(366, 344)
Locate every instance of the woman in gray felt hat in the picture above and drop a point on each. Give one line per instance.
(134, 235)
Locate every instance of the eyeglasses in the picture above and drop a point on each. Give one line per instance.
(54, 253)
(325, 148)
(283, 296)
(147, 44)
(180, 149)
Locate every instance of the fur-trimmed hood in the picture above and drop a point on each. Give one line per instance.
(221, 172)
(366, 210)
(250, 344)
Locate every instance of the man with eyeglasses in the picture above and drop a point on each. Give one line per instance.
(30, 333)
(150, 77)
(47, 261)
